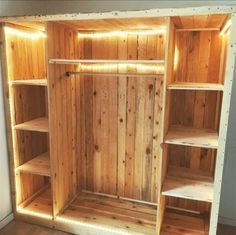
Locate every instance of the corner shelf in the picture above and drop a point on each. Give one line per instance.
(196, 86)
(184, 223)
(184, 183)
(93, 61)
(38, 124)
(30, 82)
(112, 213)
(192, 137)
(39, 165)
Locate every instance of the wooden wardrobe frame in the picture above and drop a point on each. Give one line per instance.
(230, 74)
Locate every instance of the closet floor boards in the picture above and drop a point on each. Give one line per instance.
(112, 213)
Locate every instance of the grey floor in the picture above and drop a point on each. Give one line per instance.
(21, 228)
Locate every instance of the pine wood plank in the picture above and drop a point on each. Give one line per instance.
(196, 86)
(39, 165)
(32, 82)
(179, 223)
(115, 214)
(38, 124)
(41, 206)
(186, 184)
(192, 137)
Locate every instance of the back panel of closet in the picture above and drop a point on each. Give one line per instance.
(120, 117)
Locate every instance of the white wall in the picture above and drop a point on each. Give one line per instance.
(5, 198)
(11, 8)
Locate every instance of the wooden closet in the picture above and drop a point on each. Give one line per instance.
(117, 122)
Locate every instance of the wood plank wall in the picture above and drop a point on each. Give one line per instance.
(26, 60)
(62, 119)
(198, 61)
(120, 119)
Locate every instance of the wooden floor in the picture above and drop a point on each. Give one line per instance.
(21, 228)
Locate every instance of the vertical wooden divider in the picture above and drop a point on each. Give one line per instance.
(169, 63)
(62, 121)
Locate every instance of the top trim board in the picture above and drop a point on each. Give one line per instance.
(127, 14)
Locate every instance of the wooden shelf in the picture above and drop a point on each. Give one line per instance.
(31, 82)
(92, 61)
(196, 86)
(39, 165)
(184, 223)
(192, 137)
(113, 214)
(40, 204)
(38, 124)
(186, 183)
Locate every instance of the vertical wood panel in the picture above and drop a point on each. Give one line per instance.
(62, 122)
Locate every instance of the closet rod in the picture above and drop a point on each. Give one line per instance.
(113, 74)
(101, 61)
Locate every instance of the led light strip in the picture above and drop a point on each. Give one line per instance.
(23, 34)
(161, 30)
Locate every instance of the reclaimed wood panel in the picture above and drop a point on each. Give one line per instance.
(62, 121)
(112, 213)
(199, 60)
(120, 116)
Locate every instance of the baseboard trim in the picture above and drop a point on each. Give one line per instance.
(227, 221)
(6, 220)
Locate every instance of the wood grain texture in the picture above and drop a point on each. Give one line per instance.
(111, 213)
(62, 117)
(215, 21)
(39, 165)
(118, 116)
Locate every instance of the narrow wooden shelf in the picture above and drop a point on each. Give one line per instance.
(186, 183)
(31, 82)
(92, 61)
(39, 165)
(196, 86)
(111, 213)
(39, 205)
(38, 124)
(184, 223)
(192, 137)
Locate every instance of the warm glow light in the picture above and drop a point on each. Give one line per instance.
(88, 224)
(24, 34)
(140, 67)
(176, 58)
(226, 27)
(33, 213)
(161, 30)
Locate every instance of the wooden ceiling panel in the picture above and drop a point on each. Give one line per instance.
(116, 24)
(194, 22)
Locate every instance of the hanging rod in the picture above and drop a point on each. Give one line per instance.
(113, 74)
(79, 61)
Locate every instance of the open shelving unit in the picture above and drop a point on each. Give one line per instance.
(192, 137)
(38, 124)
(39, 165)
(29, 82)
(118, 126)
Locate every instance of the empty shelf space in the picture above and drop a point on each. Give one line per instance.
(93, 61)
(39, 204)
(111, 213)
(192, 137)
(184, 223)
(186, 183)
(32, 82)
(39, 165)
(196, 86)
(38, 124)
